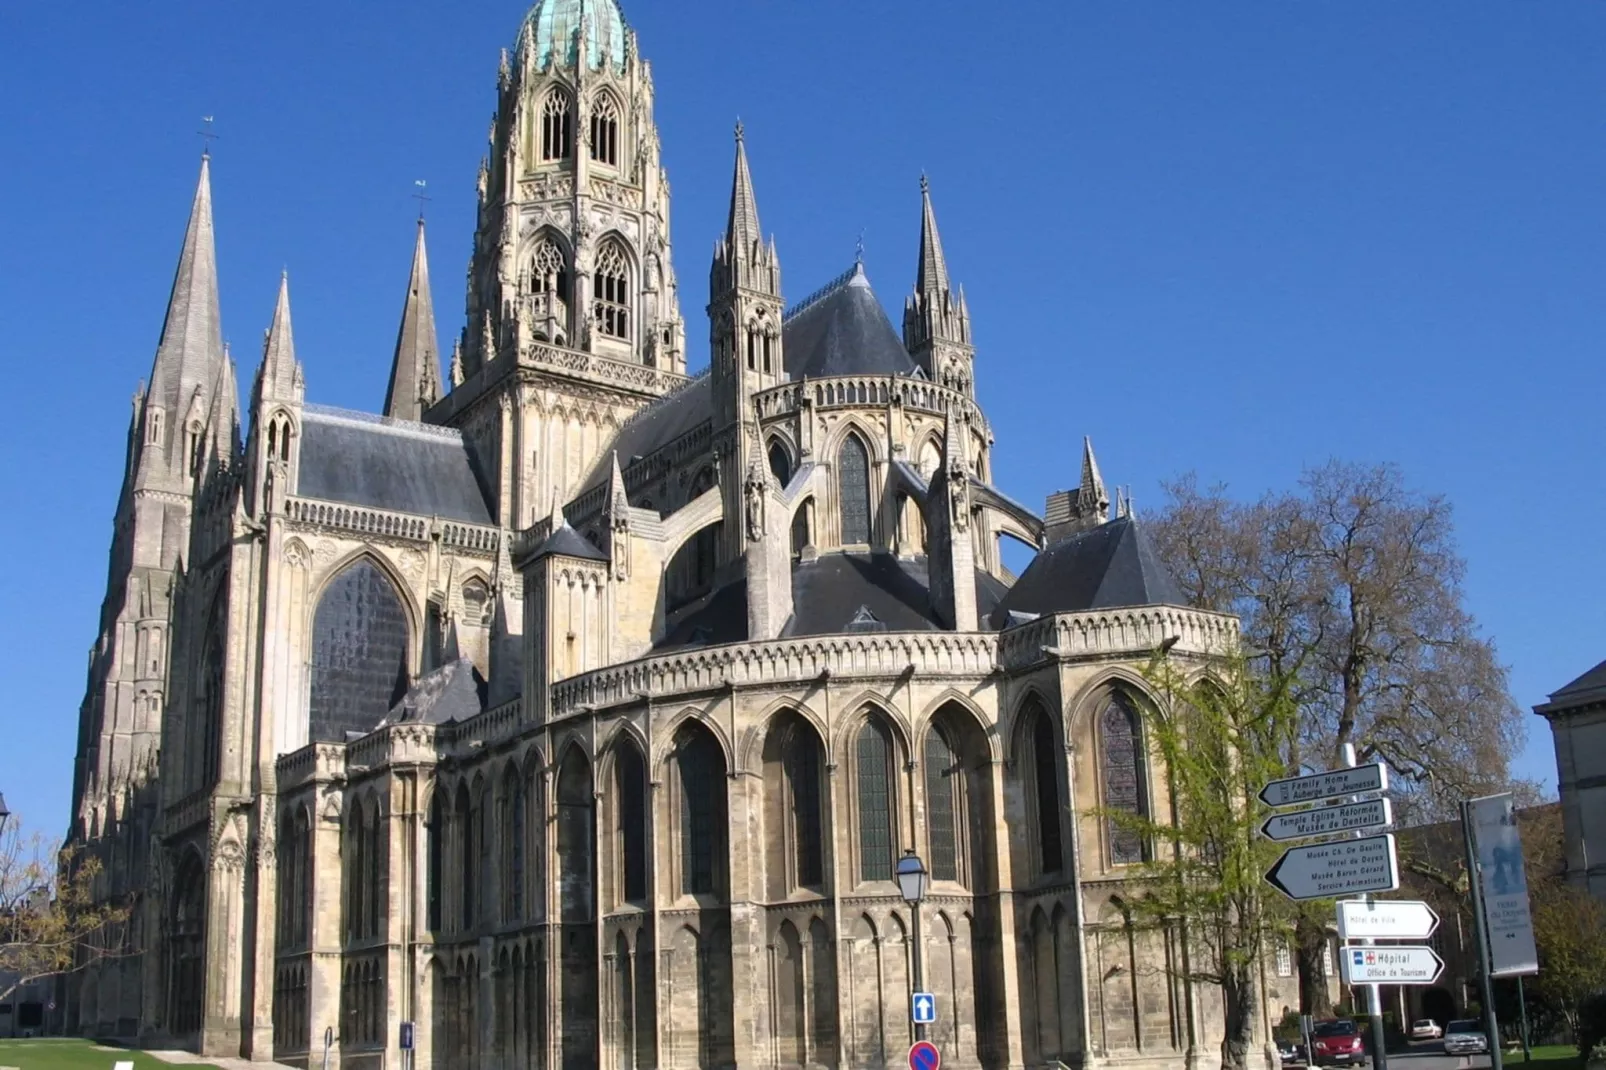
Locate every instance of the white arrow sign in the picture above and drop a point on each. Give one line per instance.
(1386, 919)
(924, 1009)
(1391, 966)
(1356, 780)
(1326, 820)
(1343, 867)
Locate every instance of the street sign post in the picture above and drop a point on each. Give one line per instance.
(1356, 780)
(1344, 867)
(1329, 820)
(1385, 919)
(924, 1056)
(923, 1008)
(1392, 965)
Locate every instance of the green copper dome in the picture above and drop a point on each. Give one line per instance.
(553, 27)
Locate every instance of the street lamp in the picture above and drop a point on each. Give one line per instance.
(912, 880)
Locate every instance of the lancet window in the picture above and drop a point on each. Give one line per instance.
(610, 287)
(1040, 766)
(605, 130)
(557, 126)
(1123, 777)
(702, 786)
(853, 490)
(942, 806)
(874, 782)
(359, 652)
(549, 270)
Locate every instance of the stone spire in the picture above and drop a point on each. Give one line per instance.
(280, 374)
(1068, 512)
(1091, 495)
(192, 333)
(742, 229)
(223, 419)
(415, 374)
(931, 276)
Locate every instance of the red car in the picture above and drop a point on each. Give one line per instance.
(1337, 1043)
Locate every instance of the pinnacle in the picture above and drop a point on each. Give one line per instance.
(1092, 486)
(415, 369)
(931, 276)
(192, 333)
(279, 347)
(742, 230)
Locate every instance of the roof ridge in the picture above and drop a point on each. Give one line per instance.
(838, 283)
(392, 424)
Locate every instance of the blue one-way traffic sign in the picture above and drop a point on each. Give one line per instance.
(924, 1008)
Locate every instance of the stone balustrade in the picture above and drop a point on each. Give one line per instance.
(361, 520)
(1126, 632)
(620, 373)
(859, 390)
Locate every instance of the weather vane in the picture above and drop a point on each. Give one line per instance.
(420, 196)
(858, 252)
(208, 135)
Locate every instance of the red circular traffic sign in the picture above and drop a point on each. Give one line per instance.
(924, 1056)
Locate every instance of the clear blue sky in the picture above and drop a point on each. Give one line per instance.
(1230, 237)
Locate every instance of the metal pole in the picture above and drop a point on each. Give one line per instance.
(919, 985)
(1490, 1023)
(1522, 1006)
(1374, 993)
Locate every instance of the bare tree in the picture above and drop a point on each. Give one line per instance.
(50, 920)
(1353, 581)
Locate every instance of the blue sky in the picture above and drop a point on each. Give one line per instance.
(1229, 237)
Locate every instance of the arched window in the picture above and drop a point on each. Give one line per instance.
(476, 601)
(359, 653)
(853, 490)
(186, 944)
(355, 847)
(557, 126)
(630, 773)
(610, 290)
(874, 776)
(435, 833)
(1042, 770)
(466, 857)
(374, 877)
(780, 462)
(516, 804)
(702, 811)
(575, 831)
(549, 270)
(802, 769)
(1123, 777)
(942, 806)
(211, 696)
(153, 428)
(605, 130)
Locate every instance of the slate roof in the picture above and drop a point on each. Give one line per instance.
(656, 426)
(1593, 680)
(453, 692)
(1111, 565)
(843, 330)
(835, 594)
(362, 459)
(569, 543)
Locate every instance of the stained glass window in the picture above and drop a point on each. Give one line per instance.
(632, 776)
(359, 653)
(515, 869)
(1123, 781)
(702, 773)
(801, 761)
(435, 833)
(1046, 776)
(853, 489)
(875, 803)
(941, 811)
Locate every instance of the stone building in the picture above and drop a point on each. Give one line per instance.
(1577, 716)
(577, 709)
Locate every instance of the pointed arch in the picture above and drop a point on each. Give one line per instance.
(557, 124)
(794, 805)
(362, 629)
(1039, 766)
(855, 510)
(515, 846)
(576, 829)
(874, 785)
(186, 946)
(778, 453)
(788, 998)
(629, 803)
(605, 118)
(1123, 779)
(611, 290)
(435, 861)
(700, 768)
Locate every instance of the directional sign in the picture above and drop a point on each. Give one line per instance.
(923, 1010)
(924, 1056)
(1343, 867)
(1391, 966)
(1327, 820)
(406, 1036)
(1356, 780)
(1385, 919)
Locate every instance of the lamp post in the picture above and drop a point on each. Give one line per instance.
(912, 883)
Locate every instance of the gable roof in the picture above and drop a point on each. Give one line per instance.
(1593, 680)
(1102, 568)
(843, 330)
(405, 467)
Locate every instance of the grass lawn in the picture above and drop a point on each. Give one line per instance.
(1554, 1056)
(55, 1053)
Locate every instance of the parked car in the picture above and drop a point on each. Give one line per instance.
(1465, 1037)
(1426, 1029)
(1337, 1043)
(1291, 1052)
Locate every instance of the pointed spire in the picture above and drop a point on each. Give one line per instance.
(279, 374)
(223, 419)
(742, 230)
(617, 497)
(192, 333)
(1092, 486)
(415, 371)
(931, 277)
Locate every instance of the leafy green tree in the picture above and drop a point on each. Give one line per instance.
(1218, 742)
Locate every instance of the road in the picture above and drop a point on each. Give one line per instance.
(1429, 1055)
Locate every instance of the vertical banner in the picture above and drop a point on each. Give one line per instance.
(1504, 884)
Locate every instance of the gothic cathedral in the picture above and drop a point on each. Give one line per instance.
(577, 709)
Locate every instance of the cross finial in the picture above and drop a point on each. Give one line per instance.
(738, 128)
(925, 183)
(420, 196)
(858, 252)
(207, 136)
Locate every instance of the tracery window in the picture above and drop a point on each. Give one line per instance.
(610, 290)
(557, 126)
(631, 773)
(359, 653)
(1123, 777)
(549, 270)
(874, 775)
(605, 130)
(702, 775)
(942, 809)
(853, 490)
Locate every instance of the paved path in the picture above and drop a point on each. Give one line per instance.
(189, 1058)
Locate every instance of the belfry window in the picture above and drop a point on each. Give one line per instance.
(610, 288)
(874, 777)
(1123, 778)
(557, 126)
(605, 130)
(853, 490)
(549, 270)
